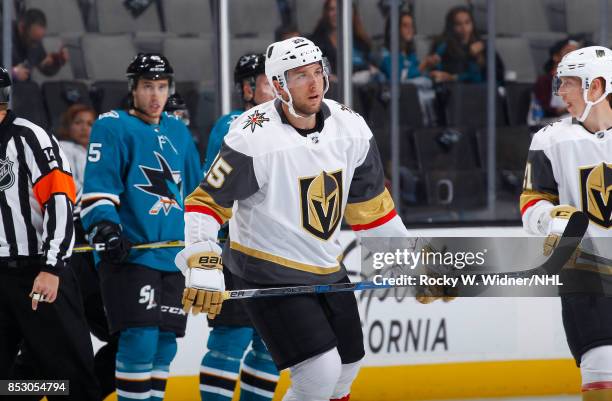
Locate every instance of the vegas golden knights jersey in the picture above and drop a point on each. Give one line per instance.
(567, 164)
(292, 191)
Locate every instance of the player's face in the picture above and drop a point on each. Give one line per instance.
(81, 127)
(306, 85)
(151, 96)
(570, 91)
(263, 90)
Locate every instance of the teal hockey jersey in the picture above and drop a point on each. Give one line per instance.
(137, 175)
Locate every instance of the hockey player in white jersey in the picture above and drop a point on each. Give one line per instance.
(287, 172)
(569, 168)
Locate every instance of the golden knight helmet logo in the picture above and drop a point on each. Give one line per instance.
(321, 203)
(595, 187)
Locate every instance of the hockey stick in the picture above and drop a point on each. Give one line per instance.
(152, 245)
(569, 241)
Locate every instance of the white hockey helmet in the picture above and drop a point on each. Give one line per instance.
(587, 64)
(289, 54)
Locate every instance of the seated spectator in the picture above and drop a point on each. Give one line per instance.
(28, 51)
(74, 133)
(553, 106)
(408, 61)
(459, 54)
(176, 106)
(410, 69)
(325, 36)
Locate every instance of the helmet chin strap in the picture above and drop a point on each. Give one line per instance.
(289, 103)
(589, 105)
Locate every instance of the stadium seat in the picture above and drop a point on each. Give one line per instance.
(307, 15)
(151, 42)
(410, 114)
(540, 44)
(514, 17)
(466, 105)
(188, 17)
(63, 16)
(517, 58)
(446, 148)
(27, 102)
(107, 56)
(190, 57)
(456, 189)
(114, 17)
(239, 46)
(588, 12)
(53, 44)
(254, 17)
(59, 95)
(109, 95)
(518, 97)
(429, 15)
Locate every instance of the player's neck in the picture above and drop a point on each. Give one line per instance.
(2, 114)
(303, 122)
(144, 117)
(599, 119)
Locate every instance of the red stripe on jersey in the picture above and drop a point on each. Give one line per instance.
(203, 210)
(378, 222)
(345, 398)
(529, 204)
(597, 386)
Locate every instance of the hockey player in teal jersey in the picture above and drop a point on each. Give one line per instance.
(140, 165)
(232, 331)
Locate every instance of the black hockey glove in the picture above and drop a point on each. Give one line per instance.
(108, 240)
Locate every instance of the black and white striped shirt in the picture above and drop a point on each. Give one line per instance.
(36, 195)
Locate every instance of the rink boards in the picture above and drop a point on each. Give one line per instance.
(471, 347)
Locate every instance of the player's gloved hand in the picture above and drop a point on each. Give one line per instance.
(203, 269)
(110, 242)
(557, 222)
(431, 293)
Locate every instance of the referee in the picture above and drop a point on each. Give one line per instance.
(36, 238)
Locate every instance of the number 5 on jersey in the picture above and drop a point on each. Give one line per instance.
(94, 152)
(218, 171)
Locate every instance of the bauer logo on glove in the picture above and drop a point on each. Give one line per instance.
(201, 264)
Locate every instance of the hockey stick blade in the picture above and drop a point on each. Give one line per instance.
(568, 243)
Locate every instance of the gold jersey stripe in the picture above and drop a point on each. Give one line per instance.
(292, 264)
(361, 213)
(584, 261)
(199, 197)
(528, 196)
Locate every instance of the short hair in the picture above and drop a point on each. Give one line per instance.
(33, 16)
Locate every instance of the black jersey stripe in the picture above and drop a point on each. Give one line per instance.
(26, 211)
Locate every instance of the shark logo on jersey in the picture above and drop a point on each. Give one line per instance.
(596, 188)
(255, 120)
(321, 203)
(164, 184)
(7, 176)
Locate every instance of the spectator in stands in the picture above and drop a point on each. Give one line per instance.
(553, 106)
(459, 54)
(74, 131)
(410, 69)
(325, 36)
(28, 51)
